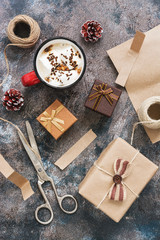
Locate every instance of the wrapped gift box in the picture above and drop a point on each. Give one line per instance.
(102, 183)
(103, 98)
(56, 119)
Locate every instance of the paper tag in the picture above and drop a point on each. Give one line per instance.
(16, 178)
(132, 56)
(75, 150)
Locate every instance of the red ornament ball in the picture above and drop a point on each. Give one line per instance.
(91, 31)
(13, 100)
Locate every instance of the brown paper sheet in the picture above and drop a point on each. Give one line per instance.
(96, 183)
(132, 56)
(16, 178)
(144, 79)
(75, 150)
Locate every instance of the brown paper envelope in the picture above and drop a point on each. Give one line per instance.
(144, 79)
(64, 114)
(16, 178)
(96, 183)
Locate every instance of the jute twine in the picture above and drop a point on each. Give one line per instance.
(23, 31)
(148, 114)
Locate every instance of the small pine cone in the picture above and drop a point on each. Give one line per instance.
(91, 31)
(13, 100)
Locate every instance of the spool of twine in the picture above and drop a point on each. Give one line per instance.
(148, 114)
(23, 31)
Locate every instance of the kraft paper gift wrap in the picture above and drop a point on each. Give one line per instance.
(64, 118)
(96, 183)
(144, 79)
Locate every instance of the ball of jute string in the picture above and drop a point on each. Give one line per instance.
(148, 114)
(23, 31)
(34, 31)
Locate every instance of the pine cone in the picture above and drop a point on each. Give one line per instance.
(91, 31)
(13, 100)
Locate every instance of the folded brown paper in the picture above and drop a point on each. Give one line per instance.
(96, 183)
(75, 150)
(16, 178)
(144, 79)
(132, 56)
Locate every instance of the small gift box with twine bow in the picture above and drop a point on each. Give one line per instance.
(103, 98)
(57, 119)
(117, 178)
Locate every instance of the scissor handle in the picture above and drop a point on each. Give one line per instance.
(60, 200)
(44, 206)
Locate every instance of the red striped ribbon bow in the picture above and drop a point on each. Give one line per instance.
(122, 169)
(101, 90)
(117, 191)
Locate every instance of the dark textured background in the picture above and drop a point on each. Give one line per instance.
(120, 19)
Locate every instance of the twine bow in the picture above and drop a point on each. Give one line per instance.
(117, 191)
(101, 90)
(51, 119)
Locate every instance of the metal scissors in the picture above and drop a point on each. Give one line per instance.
(35, 157)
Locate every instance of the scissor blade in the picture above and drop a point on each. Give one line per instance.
(35, 159)
(32, 138)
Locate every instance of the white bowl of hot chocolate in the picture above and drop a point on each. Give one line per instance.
(60, 62)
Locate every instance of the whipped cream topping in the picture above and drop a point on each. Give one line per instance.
(60, 63)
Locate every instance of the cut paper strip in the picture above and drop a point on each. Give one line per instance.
(16, 178)
(75, 150)
(132, 56)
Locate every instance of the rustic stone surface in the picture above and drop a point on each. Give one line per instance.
(119, 20)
